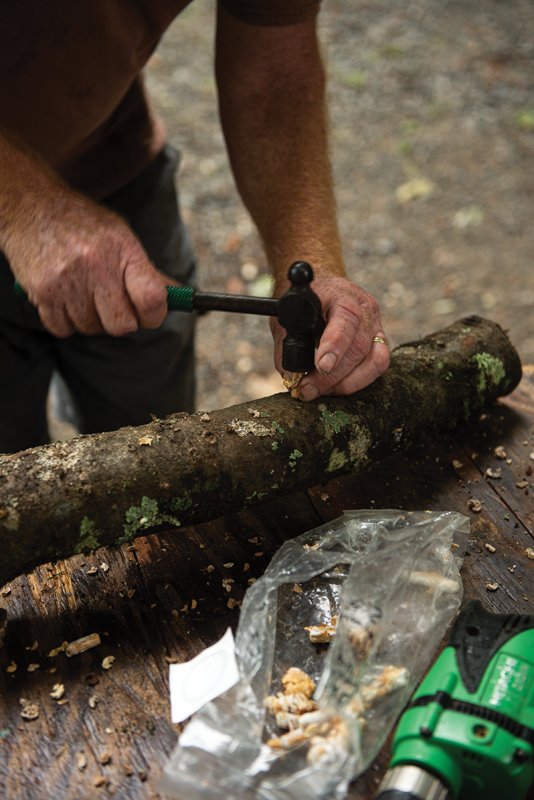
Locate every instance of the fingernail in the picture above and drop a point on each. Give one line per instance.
(308, 392)
(327, 363)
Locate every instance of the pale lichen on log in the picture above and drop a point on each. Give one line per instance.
(107, 488)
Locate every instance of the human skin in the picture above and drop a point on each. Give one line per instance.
(84, 269)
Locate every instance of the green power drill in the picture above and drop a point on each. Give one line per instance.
(468, 732)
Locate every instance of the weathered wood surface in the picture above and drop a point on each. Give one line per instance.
(142, 607)
(97, 490)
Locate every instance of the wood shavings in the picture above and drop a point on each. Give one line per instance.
(390, 679)
(493, 473)
(105, 757)
(322, 634)
(297, 589)
(522, 484)
(11, 667)
(227, 584)
(295, 680)
(254, 540)
(30, 711)
(434, 580)
(92, 571)
(228, 565)
(492, 587)
(32, 667)
(205, 417)
(254, 412)
(246, 566)
(104, 567)
(291, 381)
(6, 591)
(490, 548)
(145, 441)
(474, 505)
(193, 605)
(361, 639)
(93, 701)
(33, 646)
(100, 781)
(232, 603)
(529, 552)
(81, 645)
(210, 568)
(259, 554)
(457, 464)
(314, 546)
(108, 662)
(57, 650)
(81, 761)
(58, 690)
(500, 452)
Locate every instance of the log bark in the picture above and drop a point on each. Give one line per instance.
(105, 489)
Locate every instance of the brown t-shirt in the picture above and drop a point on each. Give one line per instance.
(71, 84)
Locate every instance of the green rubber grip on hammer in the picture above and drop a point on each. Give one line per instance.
(179, 298)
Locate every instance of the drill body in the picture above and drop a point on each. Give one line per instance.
(468, 732)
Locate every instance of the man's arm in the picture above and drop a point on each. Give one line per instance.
(271, 97)
(80, 264)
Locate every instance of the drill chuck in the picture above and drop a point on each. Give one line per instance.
(410, 782)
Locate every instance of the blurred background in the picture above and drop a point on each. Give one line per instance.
(432, 137)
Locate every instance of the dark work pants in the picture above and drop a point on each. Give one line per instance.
(112, 381)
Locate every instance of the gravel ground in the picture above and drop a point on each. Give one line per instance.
(432, 121)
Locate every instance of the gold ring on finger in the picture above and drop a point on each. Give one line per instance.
(381, 340)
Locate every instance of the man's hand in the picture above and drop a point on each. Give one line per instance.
(347, 358)
(83, 268)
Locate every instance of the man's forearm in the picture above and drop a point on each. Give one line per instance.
(271, 93)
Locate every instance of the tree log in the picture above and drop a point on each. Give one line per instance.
(105, 489)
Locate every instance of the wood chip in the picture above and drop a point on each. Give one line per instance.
(145, 441)
(30, 711)
(32, 667)
(490, 548)
(99, 781)
(231, 603)
(492, 587)
(107, 662)
(58, 690)
(529, 552)
(227, 584)
(105, 757)
(93, 701)
(81, 645)
(104, 567)
(228, 565)
(494, 473)
(500, 452)
(6, 591)
(522, 484)
(81, 762)
(210, 568)
(92, 571)
(246, 566)
(457, 464)
(11, 667)
(474, 505)
(33, 646)
(205, 417)
(194, 604)
(57, 650)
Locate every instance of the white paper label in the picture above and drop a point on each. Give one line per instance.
(196, 682)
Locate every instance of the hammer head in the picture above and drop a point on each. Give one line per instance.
(299, 312)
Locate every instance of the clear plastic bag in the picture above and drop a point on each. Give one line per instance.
(390, 580)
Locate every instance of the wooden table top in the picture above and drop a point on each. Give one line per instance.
(162, 599)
